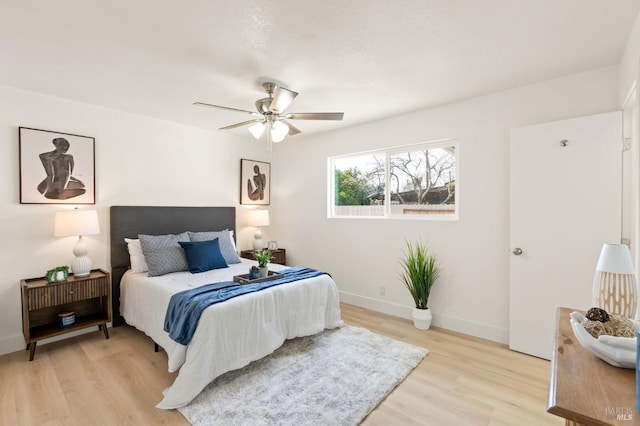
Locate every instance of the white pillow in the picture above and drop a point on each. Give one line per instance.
(233, 241)
(138, 262)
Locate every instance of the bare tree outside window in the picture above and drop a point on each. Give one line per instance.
(416, 181)
(423, 178)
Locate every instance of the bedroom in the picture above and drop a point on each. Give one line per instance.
(133, 151)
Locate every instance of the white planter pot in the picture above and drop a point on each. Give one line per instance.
(264, 272)
(421, 318)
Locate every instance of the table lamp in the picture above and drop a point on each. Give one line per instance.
(258, 218)
(78, 222)
(614, 284)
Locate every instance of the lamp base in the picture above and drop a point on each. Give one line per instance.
(258, 244)
(81, 264)
(615, 293)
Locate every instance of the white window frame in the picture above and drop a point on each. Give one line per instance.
(387, 206)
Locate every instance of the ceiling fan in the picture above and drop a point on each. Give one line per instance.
(271, 114)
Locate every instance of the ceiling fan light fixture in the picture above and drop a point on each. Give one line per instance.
(279, 131)
(257, 130)
(271, 115)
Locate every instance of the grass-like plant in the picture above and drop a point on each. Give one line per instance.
(263, 257)
(419, 273)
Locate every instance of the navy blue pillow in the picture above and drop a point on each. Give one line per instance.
(203, 255)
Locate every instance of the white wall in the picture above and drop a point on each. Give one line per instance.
(629, 63)
(139, 161)
(150, 162)
(363, 255)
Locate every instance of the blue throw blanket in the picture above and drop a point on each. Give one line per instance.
(186, 306)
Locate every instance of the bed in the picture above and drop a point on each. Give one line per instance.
(230, 334)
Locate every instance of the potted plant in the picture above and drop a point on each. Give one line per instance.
(263, 257)
(419, 273)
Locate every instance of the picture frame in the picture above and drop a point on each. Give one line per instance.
(56, 167)
(255, 182)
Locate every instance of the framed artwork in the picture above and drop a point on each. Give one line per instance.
(56, 168)
(255, 182)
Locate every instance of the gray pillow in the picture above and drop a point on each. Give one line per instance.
(227, 248)
(163, 253)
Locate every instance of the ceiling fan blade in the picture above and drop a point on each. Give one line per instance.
(315, 115)
(224, 107)
(244, 123)
(282, 98)
(292, 129)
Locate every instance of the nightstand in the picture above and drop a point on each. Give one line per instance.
(279, 255)
(88, 297)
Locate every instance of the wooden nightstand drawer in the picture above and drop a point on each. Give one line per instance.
(59, 294)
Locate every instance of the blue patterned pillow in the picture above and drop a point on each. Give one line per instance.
(163, 253)
(227, 248)
(203, 256)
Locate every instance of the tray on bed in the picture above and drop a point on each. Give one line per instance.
(244, 278)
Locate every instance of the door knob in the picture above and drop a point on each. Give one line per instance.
(517, 251)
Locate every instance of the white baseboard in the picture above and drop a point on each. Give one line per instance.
(484, 331)
(16, 343)
(376, 305)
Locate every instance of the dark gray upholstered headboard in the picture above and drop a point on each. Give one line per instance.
(129, 221)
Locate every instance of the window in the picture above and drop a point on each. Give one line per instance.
(419, 180)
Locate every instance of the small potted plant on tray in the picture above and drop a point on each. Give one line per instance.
(263, 257)
(419, 273)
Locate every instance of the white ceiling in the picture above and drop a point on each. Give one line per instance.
(368, 58)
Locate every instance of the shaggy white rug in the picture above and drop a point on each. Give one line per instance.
(333, 378)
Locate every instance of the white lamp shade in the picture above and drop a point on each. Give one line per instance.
(258, 218)
(278, 131)
(257, 130)
(76, 222)
(615, 258)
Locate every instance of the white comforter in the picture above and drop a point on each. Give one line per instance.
(230, 334)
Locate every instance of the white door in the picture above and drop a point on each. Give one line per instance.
(565, 202)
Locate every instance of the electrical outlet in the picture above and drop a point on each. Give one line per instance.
(382, 291)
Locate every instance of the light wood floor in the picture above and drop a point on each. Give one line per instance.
(88, 380)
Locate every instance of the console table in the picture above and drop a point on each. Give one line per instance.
(585, 390)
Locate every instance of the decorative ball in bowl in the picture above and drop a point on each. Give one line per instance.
(615, 350)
